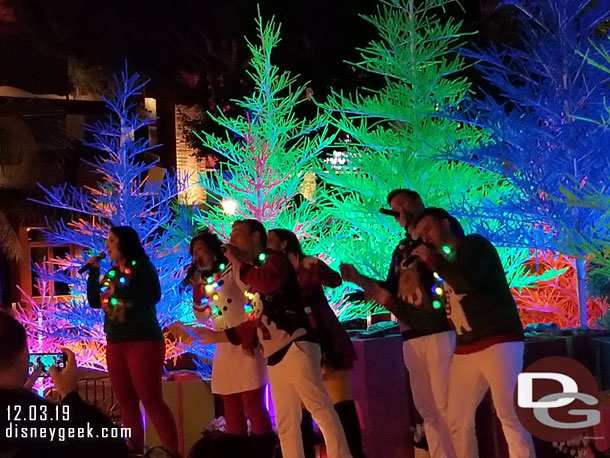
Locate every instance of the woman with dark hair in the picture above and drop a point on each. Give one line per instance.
(238, 378)
(135, 351)
(338, 354)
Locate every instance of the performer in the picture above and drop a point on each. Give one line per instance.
(489, 351)
(238, 378)
(338, 354)
(135, 352)
(410, 293)
(280, 324)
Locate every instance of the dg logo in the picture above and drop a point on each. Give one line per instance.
(557, 399)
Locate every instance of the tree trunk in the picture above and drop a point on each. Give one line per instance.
(581, 289)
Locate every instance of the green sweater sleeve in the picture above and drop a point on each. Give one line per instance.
(474, 266)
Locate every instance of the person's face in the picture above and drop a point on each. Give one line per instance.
(407, 209)
(112, 248)
(241, 237)
(432, 231)
(274, 242)
(202, 255)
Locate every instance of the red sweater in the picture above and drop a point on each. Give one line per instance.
(282, 319)
(337, 348)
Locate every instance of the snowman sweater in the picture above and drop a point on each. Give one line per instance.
(282, 319)
(479, 302)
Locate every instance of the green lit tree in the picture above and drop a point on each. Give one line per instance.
(270, 153)
(392, 133)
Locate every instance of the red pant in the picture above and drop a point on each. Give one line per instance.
(135, 370)
(250, 403)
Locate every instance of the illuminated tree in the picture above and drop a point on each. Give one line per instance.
(126, 194)
(270, 151)
(394, 134)
(541, 140)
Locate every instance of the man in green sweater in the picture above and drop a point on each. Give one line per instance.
(489, 347)
(428, 342)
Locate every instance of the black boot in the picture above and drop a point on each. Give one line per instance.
(351, 425)
(309, 438)
(263, 445)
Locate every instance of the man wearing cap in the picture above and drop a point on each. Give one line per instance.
(415, 296)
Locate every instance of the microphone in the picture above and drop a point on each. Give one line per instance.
(407, 262)
(189, 273)
(87, 265)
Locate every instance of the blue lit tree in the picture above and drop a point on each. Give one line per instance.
(541, 141)
(126, 194)
(596, 196)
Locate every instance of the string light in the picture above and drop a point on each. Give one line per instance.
(446, 249)
(114, 301)
(437, 304)
(122, 280)
(262, 257)
(438, 290)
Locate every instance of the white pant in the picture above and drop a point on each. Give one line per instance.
(298, 378)
(497, 368)
(428, 360)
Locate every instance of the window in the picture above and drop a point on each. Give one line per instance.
(38, 250)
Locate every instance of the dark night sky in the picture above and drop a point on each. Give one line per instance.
(194, 50)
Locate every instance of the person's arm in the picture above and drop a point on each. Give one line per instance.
(475, 265)
(93, 288)
(325, 275)
(394, 305)
(268, 277)
(243, 334)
